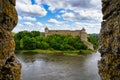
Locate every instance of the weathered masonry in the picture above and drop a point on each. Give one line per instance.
(10, 68)
(80, 33)
(109, 42)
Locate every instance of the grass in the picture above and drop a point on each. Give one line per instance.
(58, 52)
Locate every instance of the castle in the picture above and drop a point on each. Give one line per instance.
(76, 33)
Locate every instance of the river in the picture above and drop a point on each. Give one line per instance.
(37, 66)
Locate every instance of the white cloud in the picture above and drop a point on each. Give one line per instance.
(91, 14)
(19, 27)
(39, 24)
(96, 3)
(24, 1)
(71, 4)
(62, 11)
(39, 2)
(19, 17)
(28, 24)
(58, 16)
(58, 26)
(54, 21)
(77, 13)
(68, 16)
(84, 9)
(90, 27)
(30, 9)
(28, 18)
(51, 9)
(86, 15)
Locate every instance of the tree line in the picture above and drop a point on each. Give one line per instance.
(26, 40)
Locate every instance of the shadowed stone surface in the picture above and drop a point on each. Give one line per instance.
(10, 68)
(109, 42)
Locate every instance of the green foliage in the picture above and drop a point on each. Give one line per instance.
(34, 40)
(35, 33)
(21, 34)
(42, 45)
(17, 44)
(93, 38)
(29, 43)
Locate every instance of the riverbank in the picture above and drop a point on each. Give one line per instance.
(58, 52)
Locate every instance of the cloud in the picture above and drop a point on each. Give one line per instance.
(91, 14)
(96, 3)
(54, 21)
(39, 24)
(28, 24)
(58, 26)
(30, 9)
(68, 16)
(39, 2)
(19, 17)
(28, 18)
(51, 9)
(85, 15)
(90, 27)
(58, 16)
(76, 14)
(83, 9)
(24, 1)
(67, 4)
(62, 11)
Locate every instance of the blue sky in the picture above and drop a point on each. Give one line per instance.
(59, 14)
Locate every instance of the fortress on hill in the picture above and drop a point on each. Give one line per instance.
(76, 33)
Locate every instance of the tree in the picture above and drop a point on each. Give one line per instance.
(17, 44)
(35, 33)
(33, 40)
(93, 38)
(42, 45)
(21, 34)
(29, 43)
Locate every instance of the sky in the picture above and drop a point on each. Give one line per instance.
(59, 15)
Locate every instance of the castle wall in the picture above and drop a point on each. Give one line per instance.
(64, 32)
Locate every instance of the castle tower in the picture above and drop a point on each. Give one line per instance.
(46, 31)
(83, 35)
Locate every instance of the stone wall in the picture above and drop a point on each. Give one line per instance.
(80, 33)
(109, 42)
(10, 68)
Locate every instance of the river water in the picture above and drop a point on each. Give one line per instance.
(37, 66)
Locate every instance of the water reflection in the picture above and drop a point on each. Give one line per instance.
(36, 66)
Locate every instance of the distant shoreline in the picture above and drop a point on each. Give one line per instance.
(58, 52)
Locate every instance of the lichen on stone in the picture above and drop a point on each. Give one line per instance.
(109, 41)
(10, 67)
